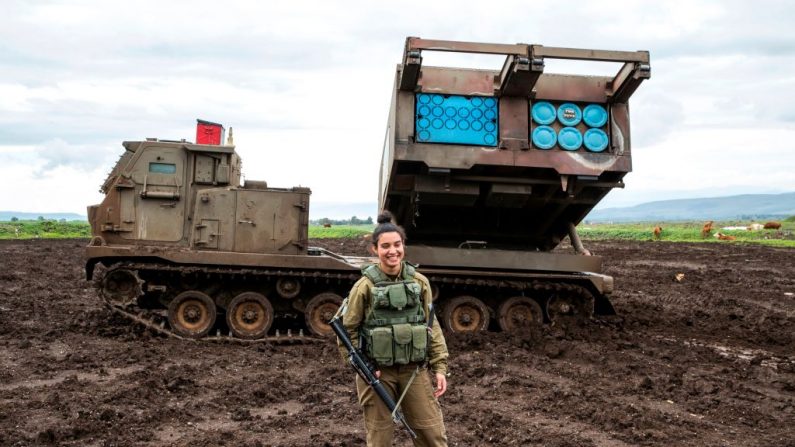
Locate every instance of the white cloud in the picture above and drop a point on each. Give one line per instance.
(705, 158)
(709, 162)
(307, 85)
(61, 189)
(57, 153)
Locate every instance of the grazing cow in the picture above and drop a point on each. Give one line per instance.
(724, 237)
(706, 229)
(772, 226)
(326, 225)
(755, 227)
(656, 233)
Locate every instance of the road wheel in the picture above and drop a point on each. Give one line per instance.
(249, 315)
(569, 306)
(288, 288)
(121, 286)
(191, 314)
(519, 312)
(465, 314)
(319, 311)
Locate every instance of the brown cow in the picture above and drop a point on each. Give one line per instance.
(772, 225)
(724, 237)
(706, 229)
(326, 225)
(656, 233)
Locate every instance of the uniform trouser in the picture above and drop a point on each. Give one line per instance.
(419, 406)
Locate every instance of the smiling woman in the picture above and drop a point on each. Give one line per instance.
(389, 309)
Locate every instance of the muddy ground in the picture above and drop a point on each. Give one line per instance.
(708, 361)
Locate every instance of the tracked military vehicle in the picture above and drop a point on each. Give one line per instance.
(184, 249)
(487, 170)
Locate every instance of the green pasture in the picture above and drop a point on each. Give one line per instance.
(52, 229)
(44, 229)
(640, 231)
(339, 231)
(689, 232)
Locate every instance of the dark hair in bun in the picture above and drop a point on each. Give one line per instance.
(386, 225)
(384, 217)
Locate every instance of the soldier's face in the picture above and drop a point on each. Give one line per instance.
(390, 252)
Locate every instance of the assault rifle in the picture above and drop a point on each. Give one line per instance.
(365, 369)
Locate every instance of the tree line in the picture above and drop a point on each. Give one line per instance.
(352, 221)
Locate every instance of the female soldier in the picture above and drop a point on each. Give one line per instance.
(387, 310)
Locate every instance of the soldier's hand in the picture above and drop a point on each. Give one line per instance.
(441, 385)
(378, 374)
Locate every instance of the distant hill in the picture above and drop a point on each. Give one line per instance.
(7, 215)
(740, 207)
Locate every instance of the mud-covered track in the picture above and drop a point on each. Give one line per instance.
(124, 285)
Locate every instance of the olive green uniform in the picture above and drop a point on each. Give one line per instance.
(420, 407)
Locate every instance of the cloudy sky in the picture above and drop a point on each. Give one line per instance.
(306, 86)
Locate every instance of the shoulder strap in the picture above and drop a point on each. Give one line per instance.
(377, 276)
(374, 274)
(409, 270)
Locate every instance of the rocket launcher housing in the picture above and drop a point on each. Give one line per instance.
(508, 159)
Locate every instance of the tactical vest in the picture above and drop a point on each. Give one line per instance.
(394, 331)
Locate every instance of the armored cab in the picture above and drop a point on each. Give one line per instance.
(177, 194)
(181, 244)
(488, 170)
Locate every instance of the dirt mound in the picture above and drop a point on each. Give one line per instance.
(708, 359)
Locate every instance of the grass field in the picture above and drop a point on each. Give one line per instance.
(642, 231)
(336, 231)
(690, 232)
(45, 229)
(49, 229)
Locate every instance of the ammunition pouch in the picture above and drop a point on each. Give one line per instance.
(396, 296)
(397, 344)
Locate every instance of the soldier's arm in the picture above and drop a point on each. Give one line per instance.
(354, 314)
(437, 353)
